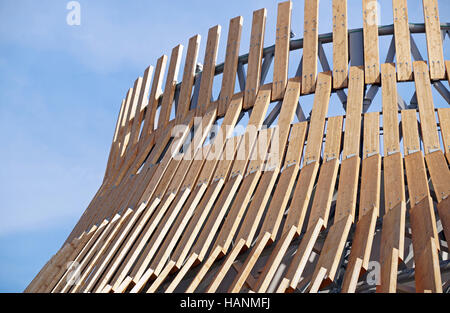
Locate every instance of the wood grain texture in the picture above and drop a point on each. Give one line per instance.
(184, 100)
(209, 66)
(402, 40)
(340, 44)
(430, 135)
(281, 59)
(255, 57)
(434, 39)
(371, 50)
(230, 66)
(310, 45)
(391, 136)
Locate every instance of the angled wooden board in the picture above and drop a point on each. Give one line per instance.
(430, 135)
(230, 66)
(281, 60)
(142, 103)
(169, 89)
(402, 40)
(310, 45)
(155, 93)
(184, 100)
(434, 39)
(320, 109)
(209, 66)
(340, 44)
(427, 274)
(444, 121)
(440, 174)
(371, 50)
(255, 57)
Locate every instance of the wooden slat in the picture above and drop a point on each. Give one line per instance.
(310, 45)
(298, 262)
(361, 248)
(426, 108)
(444, 122)
(279, 202)
(230, 65)
(371, 142)
(392, 238)
(209, 66)
(427, 272)
(331, 253)
(371, 50)
(434, 39)
(301, 196)
(411, 141)
(281, 59)
(206, 174)
(114, 144)
(440, 174)
(92, 252)
(348, 188)
(391, 135)
(340, 44)
(369, 204)
(440, 178)
(110, 252)
(188, 238)
(155, 93)
(95, 262)
(97, 232)
(169, 89)
(422, 218)
(184, 100)
(255, 57)
(321, 101)
(402, 40)
(353, 114)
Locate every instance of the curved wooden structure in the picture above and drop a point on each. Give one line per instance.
(351, 203)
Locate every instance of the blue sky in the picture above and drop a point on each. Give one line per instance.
(60, 91)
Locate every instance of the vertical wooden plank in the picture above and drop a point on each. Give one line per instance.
(209, 67)
(426, 108)
(310, 45)
(321, 101)
(281, 59)
(411, 140)
(391, 135)
(340, 44)
(392, 234)
(434, 39)
(141, 104)
(255, 57)
(155, 93)
(371, 51)
(402, 40)
(371, 142)
(353, 114)
(169, 89)
(184, 100)
(230, 65)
